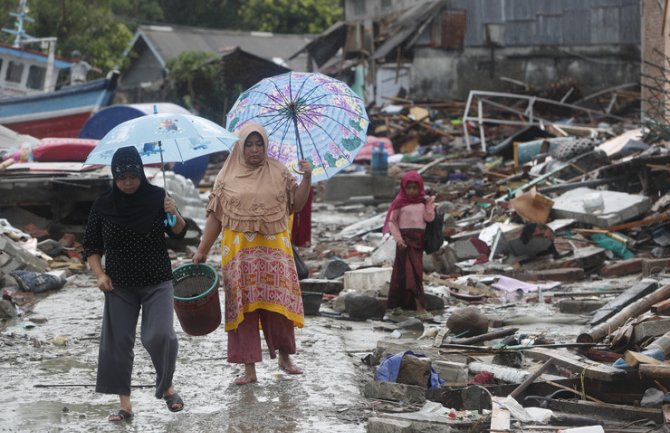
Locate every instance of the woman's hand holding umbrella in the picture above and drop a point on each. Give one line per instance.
(302, 193)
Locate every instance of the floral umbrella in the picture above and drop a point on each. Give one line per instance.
(307, 116)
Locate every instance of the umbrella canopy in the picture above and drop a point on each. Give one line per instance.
(163, 137)
(307, 116)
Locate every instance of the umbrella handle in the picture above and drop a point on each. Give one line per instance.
(170, 220)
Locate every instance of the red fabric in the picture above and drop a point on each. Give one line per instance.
(483, 378)
(244, 343)
(407, 275)
(402, 199)
(301, 232)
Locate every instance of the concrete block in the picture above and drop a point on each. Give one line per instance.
(560, 274)
(617, 207)
(578, 306)
(454, 373)
(342, 187)
(621, 268)
(367, 279)
(414, 371)
(395, 392)
(465, 250)
(651, 328)
(654, 266)
(387, 425)
(585, 258)
(322, 286)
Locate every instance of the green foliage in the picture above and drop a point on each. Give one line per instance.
(290, 16)
(89, 27)
(221, 14)
(193, 79)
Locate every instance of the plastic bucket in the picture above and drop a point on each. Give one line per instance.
(196, 298)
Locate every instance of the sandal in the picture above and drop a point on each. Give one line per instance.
(174, 402)
(244, 380)
(425, 316)
(121, 415)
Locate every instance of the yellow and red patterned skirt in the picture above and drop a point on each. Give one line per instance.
(259, 273)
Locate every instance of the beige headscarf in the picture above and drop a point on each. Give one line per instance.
(249, 198)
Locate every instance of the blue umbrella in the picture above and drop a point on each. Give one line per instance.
(307, 116)
(163, 137)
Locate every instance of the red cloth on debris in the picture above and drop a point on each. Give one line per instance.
(301, 232)
(483, 378)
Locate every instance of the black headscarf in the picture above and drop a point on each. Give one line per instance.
(136, 211)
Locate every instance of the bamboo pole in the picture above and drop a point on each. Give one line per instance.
(638, 307)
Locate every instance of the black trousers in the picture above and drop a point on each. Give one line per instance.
(119, 324)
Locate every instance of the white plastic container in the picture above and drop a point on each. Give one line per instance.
(593, 202)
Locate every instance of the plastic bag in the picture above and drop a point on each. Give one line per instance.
(300, 266)
(434, 238)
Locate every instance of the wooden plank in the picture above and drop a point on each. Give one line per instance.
(577, 364)
(607, 411)
(530, 379)
(635, 358)
(660, 371)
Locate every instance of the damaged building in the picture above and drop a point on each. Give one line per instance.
(428, 50)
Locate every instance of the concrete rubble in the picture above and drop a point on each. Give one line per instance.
(555, 261)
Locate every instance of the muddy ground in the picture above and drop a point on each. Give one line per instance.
(47, 386)
(48, 361)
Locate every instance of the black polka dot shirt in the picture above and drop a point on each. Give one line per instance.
(132, 259)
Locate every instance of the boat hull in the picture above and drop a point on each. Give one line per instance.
(61, 113)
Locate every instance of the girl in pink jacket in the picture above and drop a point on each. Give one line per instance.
(406, 221)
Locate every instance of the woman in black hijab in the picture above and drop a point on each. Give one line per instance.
(126, 226)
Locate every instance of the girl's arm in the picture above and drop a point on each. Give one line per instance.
(395, 229)
(429, 209)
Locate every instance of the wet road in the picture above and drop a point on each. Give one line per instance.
(46, 385)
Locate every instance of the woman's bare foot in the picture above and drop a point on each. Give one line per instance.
(248, 377)
(286, 365)
(244, 380)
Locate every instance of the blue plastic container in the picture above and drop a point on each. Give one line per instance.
(379, 162)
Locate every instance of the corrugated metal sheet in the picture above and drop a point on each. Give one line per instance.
(516, 10)
(549, 30)
(520, 32)
(546, 22)
(629, 24)
(553, 22)
(605, 25)
(576, 27)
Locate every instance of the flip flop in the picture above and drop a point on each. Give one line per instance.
(121, 415)
(425, 316)
(173, 400)
(244, 380)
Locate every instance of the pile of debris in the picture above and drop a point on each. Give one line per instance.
(555, 259)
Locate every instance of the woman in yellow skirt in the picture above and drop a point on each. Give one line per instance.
(251, 205)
